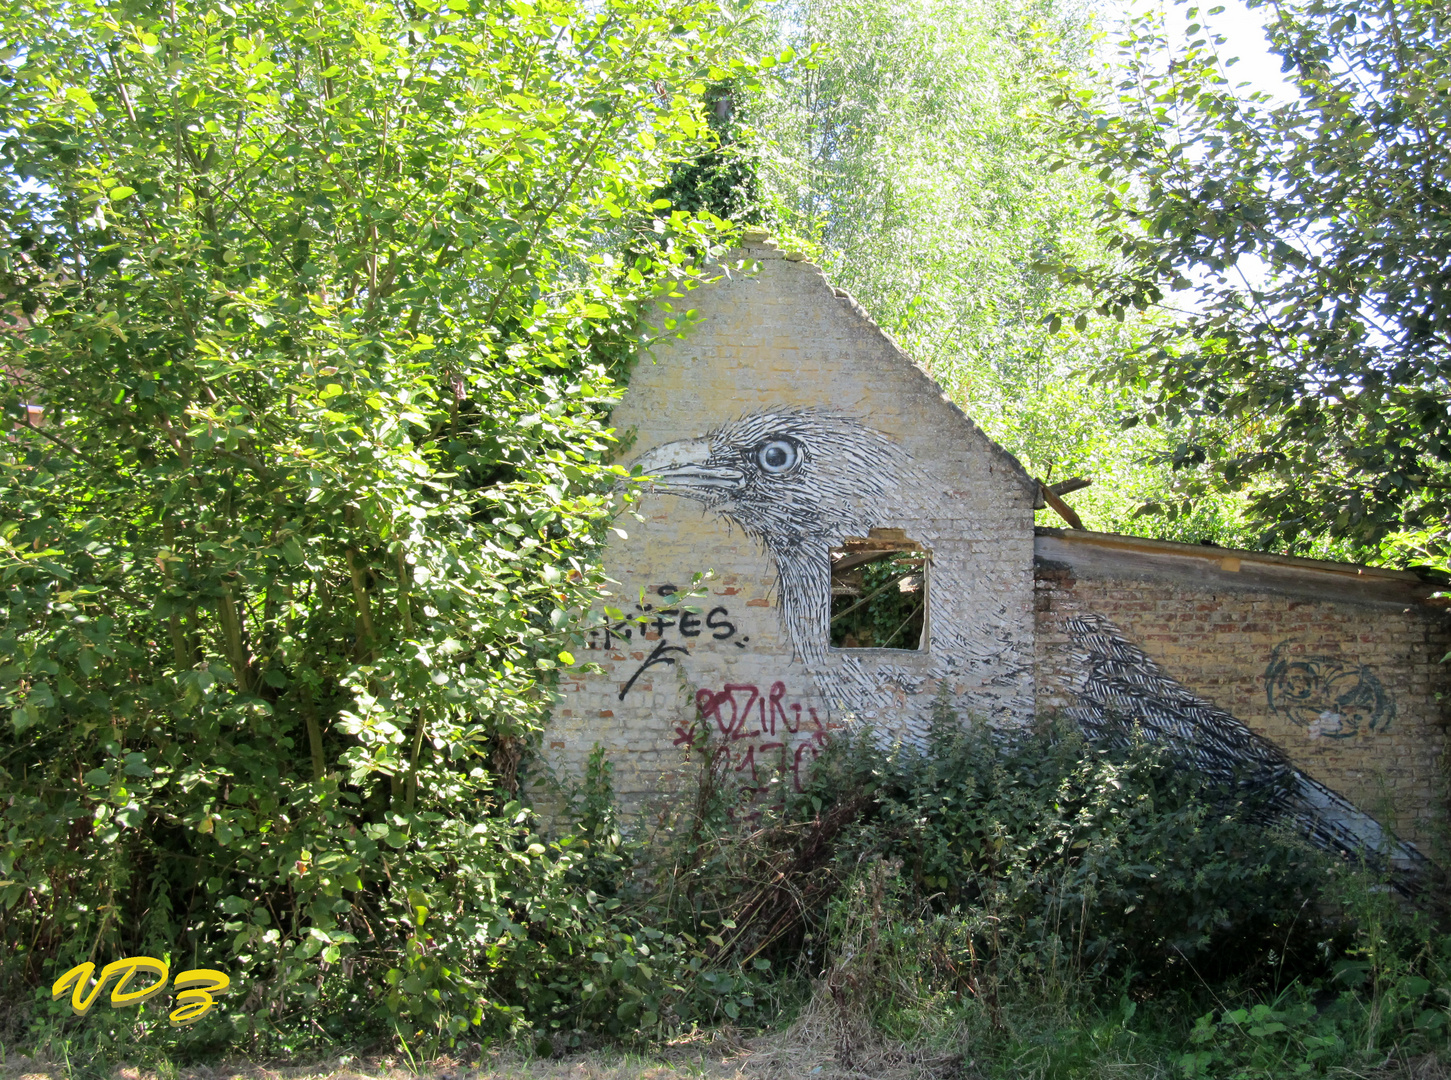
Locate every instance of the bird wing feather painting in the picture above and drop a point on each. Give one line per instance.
(803, 480)
(1123, 694)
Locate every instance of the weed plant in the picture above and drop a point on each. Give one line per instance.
(1033, 905)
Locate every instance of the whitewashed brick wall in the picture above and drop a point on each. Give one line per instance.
(782, 343)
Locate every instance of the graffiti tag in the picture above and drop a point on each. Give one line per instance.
(1326, 696)
(715, 623)
(752, 730)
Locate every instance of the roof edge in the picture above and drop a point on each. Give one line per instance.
(1230, 564)
(757, 244)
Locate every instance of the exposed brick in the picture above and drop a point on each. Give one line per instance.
(1228, 668)
(783, 340)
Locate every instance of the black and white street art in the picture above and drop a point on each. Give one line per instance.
(1122, 694)
(802, 481)
(1328, 696)
(798, 481)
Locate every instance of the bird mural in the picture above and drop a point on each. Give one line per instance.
(1123, 694)
(799, 481)
(803, 480)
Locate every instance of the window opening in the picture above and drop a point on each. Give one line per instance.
(879, 592)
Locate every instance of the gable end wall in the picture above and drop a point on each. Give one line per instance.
(780, 342)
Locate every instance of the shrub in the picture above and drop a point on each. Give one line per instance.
(1115, 865)
(1117, 862)
(325, 307)
(1059, 906)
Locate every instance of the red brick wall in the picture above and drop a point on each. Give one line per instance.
(1249, 642)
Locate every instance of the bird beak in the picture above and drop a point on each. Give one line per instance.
(686, 468)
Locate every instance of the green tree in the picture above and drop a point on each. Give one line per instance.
(906, 154)
(319, 302)
(724, 178)
(1302, 247)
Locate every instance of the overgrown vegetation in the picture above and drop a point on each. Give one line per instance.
(1297, 251)
(908, 156)
(988, 906)
(314, 315)
(1028, 904)
(882, 604)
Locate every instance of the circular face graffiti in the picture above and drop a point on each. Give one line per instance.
(1326, 696)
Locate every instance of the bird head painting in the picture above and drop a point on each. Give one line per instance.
(804, 480)
(798, 480)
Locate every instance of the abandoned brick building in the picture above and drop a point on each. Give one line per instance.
(813, 468)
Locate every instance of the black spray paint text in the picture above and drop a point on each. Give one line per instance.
(715, 623)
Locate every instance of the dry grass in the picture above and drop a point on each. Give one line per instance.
(799, 1053)
(829, 1041)
(811, 1049)
(592, 1066)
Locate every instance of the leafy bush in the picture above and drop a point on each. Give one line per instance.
(1062, 908)
(1114, 865)
(989, 871)
(323, 307)
(1116, 862)
(1303, 1033)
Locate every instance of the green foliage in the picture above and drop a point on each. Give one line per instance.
(722, 180)
(899, 150)
(570, 953)
(1003, 864)
(905, 153)
(887, 610)
(1261, 1041)
(1296, 1035)
(1302, 247)
(320, 306)
(1117, 865)
(1058, 911)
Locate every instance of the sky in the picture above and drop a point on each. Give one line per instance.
(1244, 31)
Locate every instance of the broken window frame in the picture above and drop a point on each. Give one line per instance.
(881, 544)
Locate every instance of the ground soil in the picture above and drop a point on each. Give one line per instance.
(718, 1056)
(779, 1056)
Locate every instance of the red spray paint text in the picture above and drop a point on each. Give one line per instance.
(755, 731)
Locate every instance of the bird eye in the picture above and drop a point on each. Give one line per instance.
(778, 456)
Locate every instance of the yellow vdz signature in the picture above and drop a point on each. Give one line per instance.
(193, 1002)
